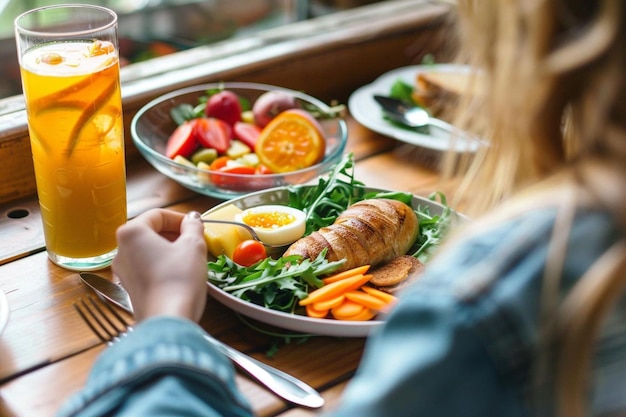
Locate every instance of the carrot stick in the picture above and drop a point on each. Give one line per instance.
(351, 311)
(328, 304)
(355, 285)
(311, 311)
(347, 309)
(334, 289)
(366, 300)
(385, 296)
(359, 270)
(365, 315)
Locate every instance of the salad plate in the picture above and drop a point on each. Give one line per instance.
(295, 322)
(369, 113)
(4, 311)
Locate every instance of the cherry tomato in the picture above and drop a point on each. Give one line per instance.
(249, 252)
(224, 106)
(182, 141)
(213, 133)
(247, 133)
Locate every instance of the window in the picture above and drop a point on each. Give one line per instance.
(151, 28)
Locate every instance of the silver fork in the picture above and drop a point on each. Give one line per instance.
(282, 384)
(101, 324)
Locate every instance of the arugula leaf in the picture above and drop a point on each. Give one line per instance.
(183, 112)
(273, 283)
(433, 228)
(402, 90)
(404, 197)
(332, 196)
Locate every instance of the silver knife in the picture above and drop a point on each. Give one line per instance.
(282, 384)
(108, 290)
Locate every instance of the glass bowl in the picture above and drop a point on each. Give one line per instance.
(152, 126)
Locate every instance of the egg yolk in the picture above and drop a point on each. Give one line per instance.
(271, 220)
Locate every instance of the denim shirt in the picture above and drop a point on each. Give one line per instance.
(164, 367)
(460, 342)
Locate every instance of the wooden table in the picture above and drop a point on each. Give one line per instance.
(46, 350)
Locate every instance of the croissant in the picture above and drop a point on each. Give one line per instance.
(368, 232)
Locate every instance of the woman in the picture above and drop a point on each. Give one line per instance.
(520, 314)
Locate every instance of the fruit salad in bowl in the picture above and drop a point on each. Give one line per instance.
(228, 139)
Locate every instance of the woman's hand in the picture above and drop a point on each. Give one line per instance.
(161, 261)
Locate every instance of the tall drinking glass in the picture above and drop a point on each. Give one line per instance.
(69, 63)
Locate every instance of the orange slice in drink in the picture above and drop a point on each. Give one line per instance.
(292, 140)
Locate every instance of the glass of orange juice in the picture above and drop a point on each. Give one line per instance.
(69, 64)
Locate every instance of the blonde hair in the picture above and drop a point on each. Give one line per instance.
(554, 113)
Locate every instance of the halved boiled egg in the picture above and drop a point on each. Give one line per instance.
(275, 224)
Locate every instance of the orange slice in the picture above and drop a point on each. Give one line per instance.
(293, 140)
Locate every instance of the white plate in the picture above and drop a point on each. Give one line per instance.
(366, 111)
(303, 324)
(4, 311)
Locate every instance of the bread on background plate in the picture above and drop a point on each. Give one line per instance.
(440, 91)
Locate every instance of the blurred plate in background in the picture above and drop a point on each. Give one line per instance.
(366, 111)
